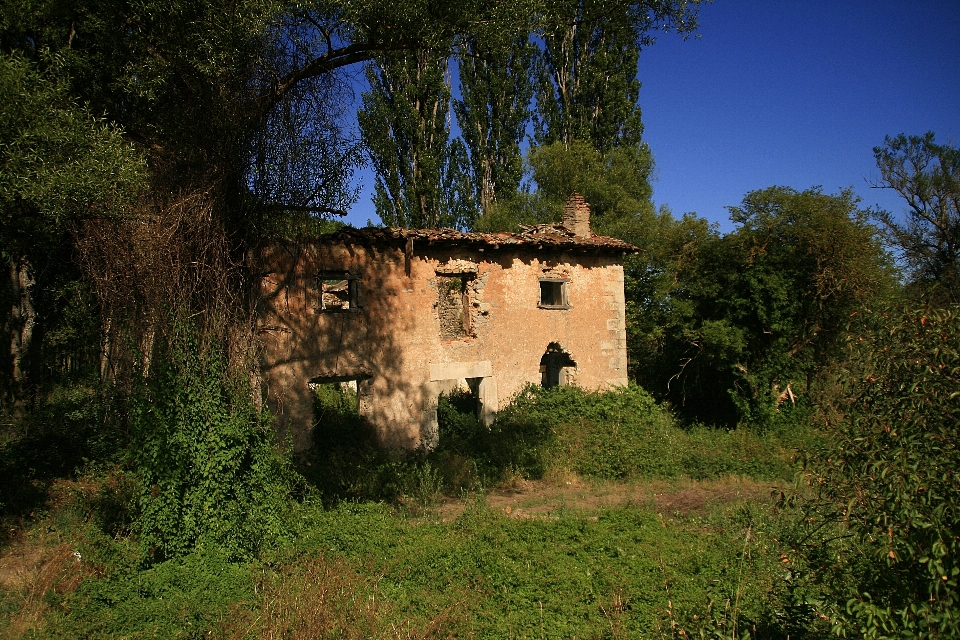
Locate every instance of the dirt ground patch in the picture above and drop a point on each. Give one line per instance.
(546, 498)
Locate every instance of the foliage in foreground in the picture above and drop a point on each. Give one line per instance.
(617, 435)
(210, 475)
(893, 470)
(365, 570)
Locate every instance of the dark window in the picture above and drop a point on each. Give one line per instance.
(557, 368)
(553, 294)
(337, 291)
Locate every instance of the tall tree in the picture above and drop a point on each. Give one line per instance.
(616, 184)
(406, 130)
(492, 112)
(927, 176)
(58, 167)
(586, 74)
(754, 316)
(586, 107)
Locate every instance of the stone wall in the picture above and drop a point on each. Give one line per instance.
(427, 321)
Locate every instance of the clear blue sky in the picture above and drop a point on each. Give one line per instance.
(789, 92)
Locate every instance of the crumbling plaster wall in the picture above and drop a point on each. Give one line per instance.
(394, 338)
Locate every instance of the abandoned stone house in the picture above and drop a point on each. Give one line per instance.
(408, 314)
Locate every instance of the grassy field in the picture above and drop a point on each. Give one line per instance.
(577, 516)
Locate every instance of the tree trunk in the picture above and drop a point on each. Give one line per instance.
(23, 317)
(106, 351)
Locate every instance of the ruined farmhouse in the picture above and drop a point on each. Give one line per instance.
(406, 314)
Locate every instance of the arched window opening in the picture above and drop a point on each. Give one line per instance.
(557, 368)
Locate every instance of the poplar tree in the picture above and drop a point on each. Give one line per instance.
(587, 113)
(586, 77)
(406, 129)
(493, 112)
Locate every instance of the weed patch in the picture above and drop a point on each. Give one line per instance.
(617, 435)
(566, 575)
(622, 434)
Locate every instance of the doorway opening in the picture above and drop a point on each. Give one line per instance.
(557, 367)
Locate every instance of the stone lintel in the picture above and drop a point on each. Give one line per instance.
(457, 370)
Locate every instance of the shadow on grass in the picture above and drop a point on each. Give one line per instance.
(55, 439)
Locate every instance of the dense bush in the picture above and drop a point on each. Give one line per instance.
(62, 432)
(620, 434)
(725, 326)
(623, 433)
(353, 568)
(210, 474)
(367, 571)
(624, 573)
(895, 473)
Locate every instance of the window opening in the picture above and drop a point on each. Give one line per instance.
(554, 294)
(557, 368)
(453, 306)
(338, 424)
(338, 291)
(348, 386)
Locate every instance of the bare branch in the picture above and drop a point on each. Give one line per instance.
(307, 209)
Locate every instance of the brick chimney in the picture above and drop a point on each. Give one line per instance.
(576, 216)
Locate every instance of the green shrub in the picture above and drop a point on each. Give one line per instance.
(210, 474)
(893, 471)
(181, 598)
(622, 434)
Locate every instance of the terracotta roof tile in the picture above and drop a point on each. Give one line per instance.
(540, 236)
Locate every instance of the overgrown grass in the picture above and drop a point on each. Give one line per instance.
(369, 571)
(363, 556)
(618, 435)
(567, 575)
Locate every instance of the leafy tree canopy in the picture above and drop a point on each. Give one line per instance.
(493, 112)
(927, 237)
(761, 309)
(616, 184)
(58, 163)
(586, 76)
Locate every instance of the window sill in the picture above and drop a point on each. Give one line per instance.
(554, 306)
(324, 311)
